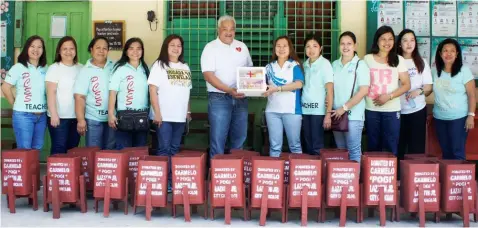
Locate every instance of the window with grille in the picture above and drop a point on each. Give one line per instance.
(258, 23)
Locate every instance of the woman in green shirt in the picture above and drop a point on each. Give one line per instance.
(351, 82)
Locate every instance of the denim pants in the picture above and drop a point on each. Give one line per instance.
(227, 119)
(276, 122)
(29, 129)
(383, 131)
(169, 136)
(130, 139)
(64, 136)
(452, 137)
(100, 134)
(351, 140)
(313, 127)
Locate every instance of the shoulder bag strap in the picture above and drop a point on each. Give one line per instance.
(355, 79)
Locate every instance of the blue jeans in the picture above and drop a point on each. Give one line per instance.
(169, 136)
(29, 129)
(99, 134)
(452, 138)
(313, 126)
(130, 139)
(228, 118)
(351, 140)
(276, 122)
(383, 131)
(64, 136)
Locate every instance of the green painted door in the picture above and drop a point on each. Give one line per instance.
(78, 25)
(38, 19)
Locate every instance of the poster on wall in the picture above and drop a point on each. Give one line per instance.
(435, 43)
(444, 18)
(3, 36)
(391, 13)
(468, 18)
(417, 17)
(7, 14)
(423, 44)
(469, 50)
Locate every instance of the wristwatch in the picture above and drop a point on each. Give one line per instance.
(422, 91)
(345, 107)
(471, 114)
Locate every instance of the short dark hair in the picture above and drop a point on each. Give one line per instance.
(124, 56)
(440, 65)
(163, 54)
(351, 35)
(23, 58)
(58, 49)
(417, 59)
(312, 36)
(392, 55)
(94, 40)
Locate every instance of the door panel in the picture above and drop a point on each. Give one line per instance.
(37, 22)
(38, 19)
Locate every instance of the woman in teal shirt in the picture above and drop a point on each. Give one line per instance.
(129, 91)
(317, 92)
(91, 96)
(351, 82)
(455, 102)
(29, 101)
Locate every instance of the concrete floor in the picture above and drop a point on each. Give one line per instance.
(71, 217)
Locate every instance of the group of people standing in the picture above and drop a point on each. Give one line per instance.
(384, 92)
(75, 100)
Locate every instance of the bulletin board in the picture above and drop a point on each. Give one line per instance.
(6, 36)
(432, 21)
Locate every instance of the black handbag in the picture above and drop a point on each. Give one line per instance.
(342, 124)
(133, 120)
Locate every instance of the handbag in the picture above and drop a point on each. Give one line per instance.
(342, 124)
(133, 120)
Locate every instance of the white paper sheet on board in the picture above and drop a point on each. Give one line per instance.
(58, 26)
(468, 19)
(444, 18)
(469, 48)
(390, 13)
(3, 38)
(417, 17)
(424, 44)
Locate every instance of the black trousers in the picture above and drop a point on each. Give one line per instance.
(412, 134)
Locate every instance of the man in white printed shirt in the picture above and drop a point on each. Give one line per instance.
(227, 109)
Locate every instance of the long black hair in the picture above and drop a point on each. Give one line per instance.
(124, 56)
(351, 35)
(417, 59)
(440, 65)
(163, 54)
(58, 49)
(23, 58)
(392, 55)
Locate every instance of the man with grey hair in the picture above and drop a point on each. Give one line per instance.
(227, 109)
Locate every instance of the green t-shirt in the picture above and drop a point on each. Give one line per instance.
(29, 83)
(317, 75)
(93, 82)
(132, 87)
(344, 79)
